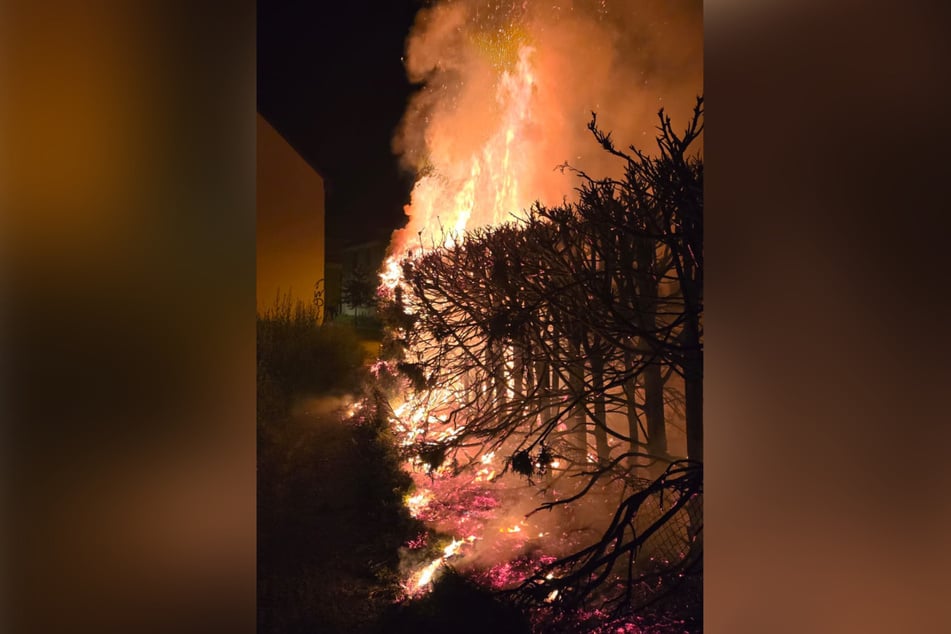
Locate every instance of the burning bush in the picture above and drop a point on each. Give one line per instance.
(570, 342)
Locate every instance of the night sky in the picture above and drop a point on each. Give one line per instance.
(331, 81)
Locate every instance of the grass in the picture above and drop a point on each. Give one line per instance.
(298, 357)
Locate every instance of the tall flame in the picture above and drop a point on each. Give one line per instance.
(507, 90)
(483, 188)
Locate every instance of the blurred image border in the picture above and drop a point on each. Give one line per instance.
(128, 316)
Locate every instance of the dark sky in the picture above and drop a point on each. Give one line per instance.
(331, 81)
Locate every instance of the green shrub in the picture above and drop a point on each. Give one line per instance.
(297, 356)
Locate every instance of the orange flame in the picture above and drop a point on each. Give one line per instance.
(506, 94)
(416, 504)
(425, 576)
(481, 189)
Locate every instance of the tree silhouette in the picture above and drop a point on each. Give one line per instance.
(359, 289)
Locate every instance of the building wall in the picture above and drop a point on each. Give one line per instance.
(290, 221)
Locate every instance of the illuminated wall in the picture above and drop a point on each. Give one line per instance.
(290, 224)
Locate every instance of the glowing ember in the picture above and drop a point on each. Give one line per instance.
(417, 503)
(418, 542)
(452, 548)
(484, 475)
(353, 409)
(426, 575)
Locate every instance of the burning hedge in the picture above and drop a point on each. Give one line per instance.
(555, 362)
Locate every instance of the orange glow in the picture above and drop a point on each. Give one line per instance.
(426, 575)
(484, 475)
(452, 548)
(417, 503)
